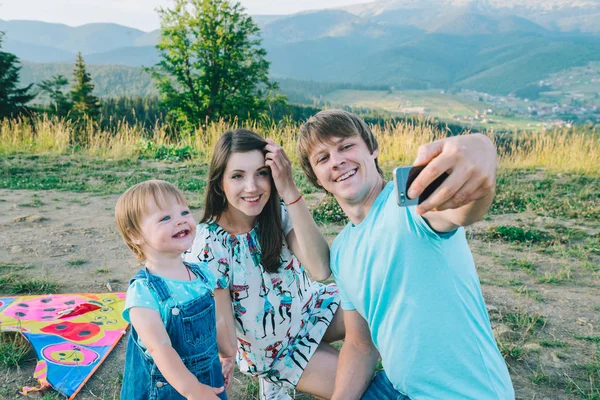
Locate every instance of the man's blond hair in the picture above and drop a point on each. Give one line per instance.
(326, 125)
(133, 204)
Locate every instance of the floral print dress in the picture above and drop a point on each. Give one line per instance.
(280, 317)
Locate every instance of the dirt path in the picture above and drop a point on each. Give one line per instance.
(71, 238)
(76, 228)
(50, 229)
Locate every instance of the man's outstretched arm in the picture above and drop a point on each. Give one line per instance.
(358, 359)
(467, 194)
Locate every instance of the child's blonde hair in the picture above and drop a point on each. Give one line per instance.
(133, 204)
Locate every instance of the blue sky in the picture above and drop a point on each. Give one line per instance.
(137, 13)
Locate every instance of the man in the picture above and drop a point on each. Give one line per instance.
(406, 276)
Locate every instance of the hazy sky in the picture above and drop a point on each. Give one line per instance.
(137, 13)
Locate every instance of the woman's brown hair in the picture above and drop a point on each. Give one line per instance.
(270, 232)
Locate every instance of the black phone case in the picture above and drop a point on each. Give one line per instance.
(412, 175)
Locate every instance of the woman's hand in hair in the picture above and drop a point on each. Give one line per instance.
(281, 170)
(305, 239)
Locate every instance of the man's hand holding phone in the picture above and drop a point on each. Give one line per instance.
(470, 162)
(404, 177)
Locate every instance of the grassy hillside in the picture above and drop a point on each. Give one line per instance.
(445, 106)
(513, 65)
(582, 82)
(497, 64)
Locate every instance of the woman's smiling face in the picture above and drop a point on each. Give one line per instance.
(247, 183)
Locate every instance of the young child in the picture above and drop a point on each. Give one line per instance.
(172, 350)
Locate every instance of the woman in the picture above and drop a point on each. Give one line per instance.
(260, 251)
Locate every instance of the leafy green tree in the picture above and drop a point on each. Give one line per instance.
(53, 88)
(84, 103)
(212, 65)
(13, 100)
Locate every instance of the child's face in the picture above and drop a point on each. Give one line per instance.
(345, 168)
(247, 183)
(166, 231)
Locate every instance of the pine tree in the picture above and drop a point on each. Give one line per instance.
(53, 88)
(84, 103)
(13, 100)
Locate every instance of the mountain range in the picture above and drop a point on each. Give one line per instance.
(495, 46)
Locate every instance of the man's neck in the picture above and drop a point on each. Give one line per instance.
(357, 212)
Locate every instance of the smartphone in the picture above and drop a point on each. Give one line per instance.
(404, 176)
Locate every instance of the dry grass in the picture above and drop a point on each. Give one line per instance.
(568, 150)
(564, 150)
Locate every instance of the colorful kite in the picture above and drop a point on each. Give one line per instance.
(71, 334)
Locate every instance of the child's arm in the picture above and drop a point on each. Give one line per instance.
(226, 338)
(152, 333)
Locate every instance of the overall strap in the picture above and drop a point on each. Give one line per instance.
(141, 274)
(196, 269)
(155, 283)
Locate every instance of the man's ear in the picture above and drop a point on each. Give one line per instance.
(376, 153)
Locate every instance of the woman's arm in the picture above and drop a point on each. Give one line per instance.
(226, 338)
(307, 242)
(152, 333)
(305, 239)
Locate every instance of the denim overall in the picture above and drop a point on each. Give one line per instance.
(191, 327)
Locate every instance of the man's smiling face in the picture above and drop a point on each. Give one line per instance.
(345, 168)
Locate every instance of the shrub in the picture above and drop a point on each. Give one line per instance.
(329, 211)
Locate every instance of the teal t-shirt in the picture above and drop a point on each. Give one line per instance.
(420, 294)
(139, 294)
